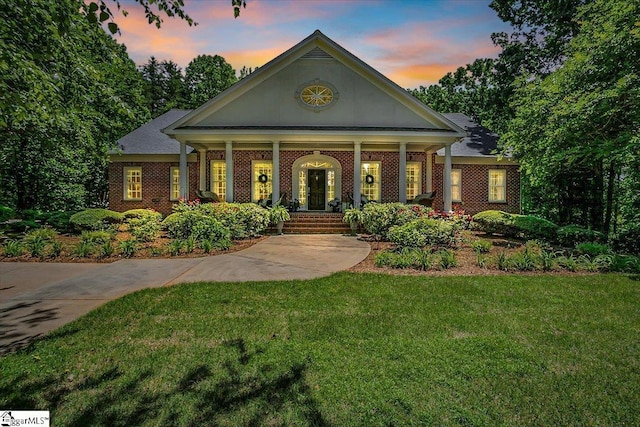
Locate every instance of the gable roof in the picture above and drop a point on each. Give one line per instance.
(479, 142)
(317, 45)
(149, 139)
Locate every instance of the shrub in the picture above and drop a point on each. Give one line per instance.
(378, 218)
(189, 244)
(142, 213)
(242, 219)
(182, 225)
(98, 237)
(422, 232)
(569, 235)
(481, 246)
(128, 248)
(60, 220)
(206, 245)
(145, 228)
(625, 264)
(592, 249)
(447, 259)
(45, 234)
(83, 249)
(627, 239)
(106, 250)
(95, 219)
(493, 221)
(13, 248)
(175, 247)
(55, 250)
(533, 227)
(6, 213)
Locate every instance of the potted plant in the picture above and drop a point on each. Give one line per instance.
(353, 217)
(278, 215)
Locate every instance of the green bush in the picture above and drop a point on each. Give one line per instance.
(128, 248)
(515, 225)
(378, 218)
(45, 234)
(95, 219)
(6, 213)
(13, 248)
(627, 239)
(83, 249)
(182, 225)
(481, 246)
(533, 227)
(422, 232)
(145, 228)
(569, 235)
(242, 219)
(142, 213)
(60, 220)
(493, 221)
(97, 237)
(592, 249)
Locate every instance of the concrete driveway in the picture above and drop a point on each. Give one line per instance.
(36, 298)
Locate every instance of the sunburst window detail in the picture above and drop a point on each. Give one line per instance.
(316, 95)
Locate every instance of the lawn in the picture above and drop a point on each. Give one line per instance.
(350, 349)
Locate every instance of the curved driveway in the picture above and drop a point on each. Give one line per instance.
(36, 298)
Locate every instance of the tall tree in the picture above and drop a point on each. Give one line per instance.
(67, 92)
(576, 131)
(164, 88)
(206, 76)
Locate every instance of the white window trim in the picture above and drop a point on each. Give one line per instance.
(126, 169)
(173, 199)
(254, 182)
(503, 172)
(419, 175)
(212, 181)
(459, 200)
(378, 178)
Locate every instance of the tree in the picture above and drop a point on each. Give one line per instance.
(164, 86)
(68, 91)
(206, 76)
(576, 130)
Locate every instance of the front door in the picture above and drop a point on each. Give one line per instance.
(316, 183)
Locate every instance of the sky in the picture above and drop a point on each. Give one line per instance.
(412, 42)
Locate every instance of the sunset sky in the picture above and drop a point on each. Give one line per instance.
(413, 42)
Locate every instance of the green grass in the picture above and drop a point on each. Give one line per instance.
(351, 349)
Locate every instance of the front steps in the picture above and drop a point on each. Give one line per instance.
(314, 223)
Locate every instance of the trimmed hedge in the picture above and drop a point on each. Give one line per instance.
(95, 219)
(515, 225)
(570, 235)
(423, 232)
(142, 213)
(199, 226)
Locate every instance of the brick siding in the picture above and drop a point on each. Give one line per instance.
(156, 179)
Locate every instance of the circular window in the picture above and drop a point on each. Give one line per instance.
(316, 95)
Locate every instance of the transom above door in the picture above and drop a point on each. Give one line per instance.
(316, 180)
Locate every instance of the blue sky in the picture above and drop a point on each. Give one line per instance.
(412, 42)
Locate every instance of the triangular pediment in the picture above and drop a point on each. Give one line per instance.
(274, 97)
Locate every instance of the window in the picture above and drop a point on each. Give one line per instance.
(331, 185)
(175, 183)
(414, 180)
(498, 185)
(456, 185)
(133, 183)
(261, 182)
(219, 178)
(370, 180)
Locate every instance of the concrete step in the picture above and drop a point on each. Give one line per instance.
(313, 223)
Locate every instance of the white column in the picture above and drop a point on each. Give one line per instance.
(447, 178)
(402, 181)
(203, 169)
(357, 148)
(228, 159)
(275, 185)
(429, 173)
(184, 191)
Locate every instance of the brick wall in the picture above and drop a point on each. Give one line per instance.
(475, 187)
(156, 186)
(156, 179)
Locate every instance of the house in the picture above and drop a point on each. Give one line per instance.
(318, 124)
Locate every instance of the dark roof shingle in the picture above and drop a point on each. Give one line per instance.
(149, 139)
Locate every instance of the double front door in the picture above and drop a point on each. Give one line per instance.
(316, 182)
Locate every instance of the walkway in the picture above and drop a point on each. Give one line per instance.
(36, 298)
